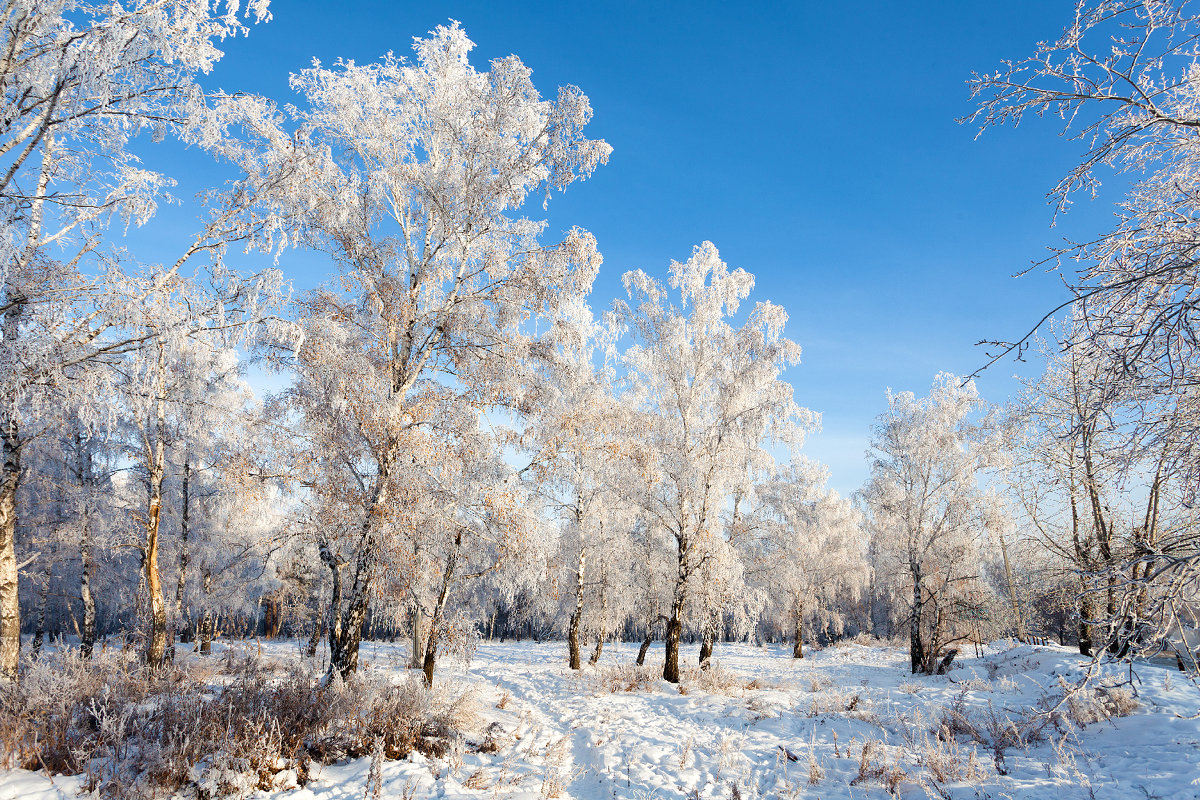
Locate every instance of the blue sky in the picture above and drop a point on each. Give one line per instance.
(814, 143)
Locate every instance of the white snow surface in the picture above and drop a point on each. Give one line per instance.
(563, 734)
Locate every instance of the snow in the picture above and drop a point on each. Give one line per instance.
(559, 733)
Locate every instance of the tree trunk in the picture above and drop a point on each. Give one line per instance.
(83, 473)
(39, 633)
(1087, 612)
(430, 660)
(916, 645)
(88, 634)
(706, 649)
(675, 621)
(671, 640)
(156, 645)
(435, 623)
(345, 636)
(944, 665)
(184, 553)
(709, 638)
(595, 657)
(798, 648)
(603, 628)
(645, 648)
(416, 658)
(573, 659)
(314, 638)
(207, 623)
(10, 608)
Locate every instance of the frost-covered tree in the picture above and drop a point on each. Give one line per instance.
(79, 81)
(1124, 77)
(713, 401)
(578, 436)
(812, 550)
(410, 176)
(924, 501)
(173, 388)
(1107, 518)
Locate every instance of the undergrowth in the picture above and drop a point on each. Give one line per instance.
(247, 726)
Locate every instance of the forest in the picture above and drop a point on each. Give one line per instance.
(247, 530)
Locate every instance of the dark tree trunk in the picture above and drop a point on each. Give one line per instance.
(645, 648)
(944, 665)
(207, 623)
(603, 627)
(675, 621)
(798, 648)
(417, 635)
(184, 553)
(1087, 611)
(573, 658)
(39, 633)
(706, 650)
(671, 642)
(345, 637)
(88, 634)
(314, 638)
(156, 645)
(916, 645)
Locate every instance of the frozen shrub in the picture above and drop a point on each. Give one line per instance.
(1089, 705)
(946, 760)
(49, 720)
(975, 685)
(874, 766)
(995, 731)
(819, 682)
(716, 679)
(851, 704)
(138, 736)
(625, 678)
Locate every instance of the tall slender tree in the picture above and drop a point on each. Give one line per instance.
(410, 176)
(713, 400)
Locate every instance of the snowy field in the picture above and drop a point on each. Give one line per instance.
(846, 722)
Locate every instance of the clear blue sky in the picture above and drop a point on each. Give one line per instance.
(814, 143)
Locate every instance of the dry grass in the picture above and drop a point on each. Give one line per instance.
(996, 731)
(1086, 706)
(875, 767)
(845, 703)
(250, 726)
(624, 678)
(717, 679)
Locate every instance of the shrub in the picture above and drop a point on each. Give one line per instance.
(625, 678)
(136, 735)
(1088, 705)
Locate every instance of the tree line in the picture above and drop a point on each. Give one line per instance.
(460, 441)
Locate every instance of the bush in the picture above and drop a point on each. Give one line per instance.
(136, 736)
(1089, 705)
(625, 678)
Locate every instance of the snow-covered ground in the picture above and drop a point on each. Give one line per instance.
(764, 725)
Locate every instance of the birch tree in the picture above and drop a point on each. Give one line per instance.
(579, 438)
(923, 500)
(713, 401)
(813, 549)
(185, 368)
(79, 81)
(410, 177)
